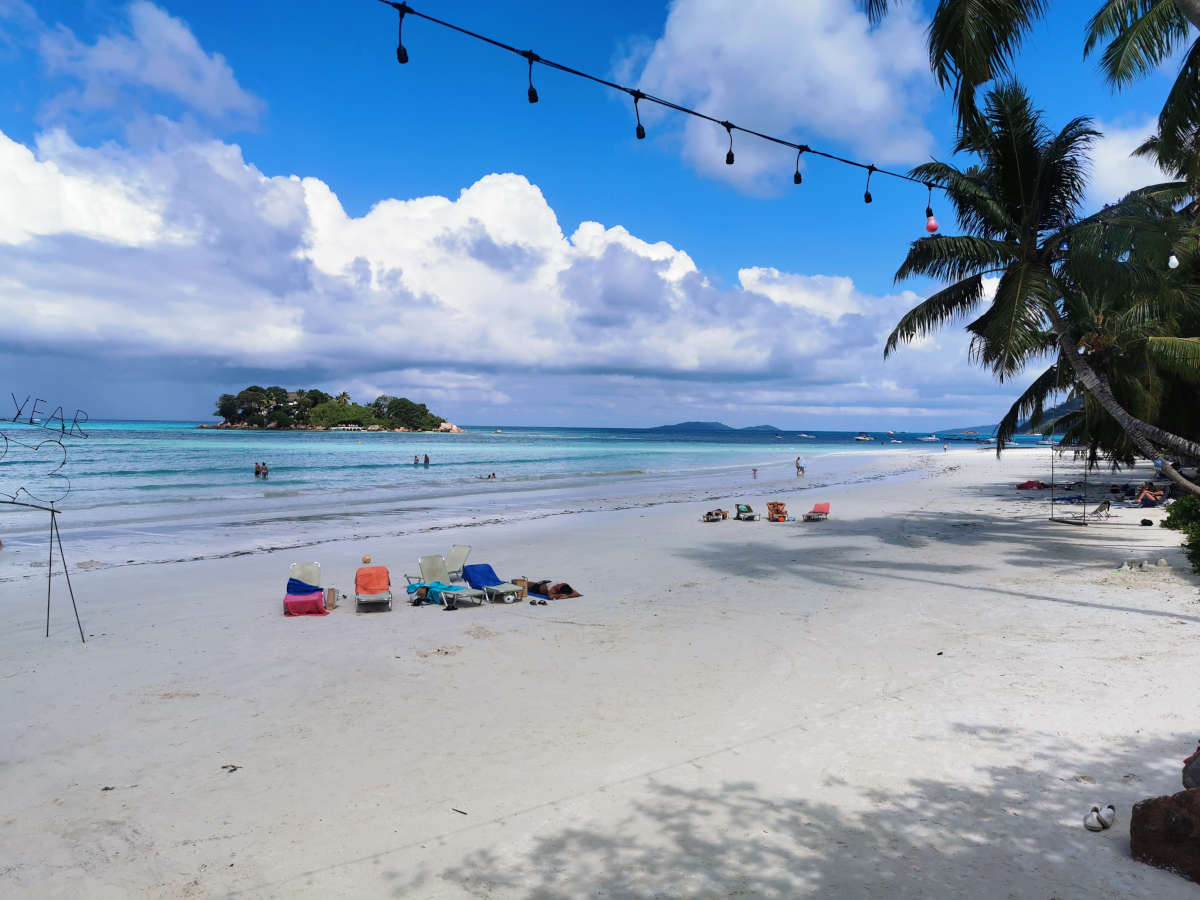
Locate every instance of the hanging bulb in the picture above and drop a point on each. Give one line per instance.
(401, 53)
(532, 57)
(798, 178)
(1173, 261)
(729, 155)
(640, 132)
(931, 224)
(1064, 247)
(867, 193)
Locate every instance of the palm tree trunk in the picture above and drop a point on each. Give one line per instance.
(1143, 435)
(1190, 9)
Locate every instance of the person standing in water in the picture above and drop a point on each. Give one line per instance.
(264, 471)
(416, 460)
(258, 470)
(426, 459)
(799, 468)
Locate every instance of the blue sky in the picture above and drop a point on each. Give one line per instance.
(201, 195)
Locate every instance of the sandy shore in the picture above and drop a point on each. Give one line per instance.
(920, 697)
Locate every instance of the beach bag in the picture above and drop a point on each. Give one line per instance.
(331, 598)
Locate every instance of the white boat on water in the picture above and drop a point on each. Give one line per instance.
(894, 441)
(1048, 442)
(809, 436)
(863, 436)
(933, 438)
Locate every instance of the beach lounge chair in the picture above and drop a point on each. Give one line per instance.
(745, 513)
(373, 586)
(435, 575)
(483, 577)
(456, 559)
(777, 512)
(304, 596)
(819, 513)
(1100, 512)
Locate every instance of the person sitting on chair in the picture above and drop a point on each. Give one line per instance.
(1147, 496)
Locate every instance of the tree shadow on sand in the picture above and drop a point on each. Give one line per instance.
(839, 554)
(1008, 831)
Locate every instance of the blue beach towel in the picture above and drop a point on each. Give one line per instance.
(296, 586)
(434, 590)
(481, 576)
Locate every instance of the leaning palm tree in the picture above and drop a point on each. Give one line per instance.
(1018, 210)
(973, 42)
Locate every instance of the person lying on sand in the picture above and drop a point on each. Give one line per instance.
(1147, 493)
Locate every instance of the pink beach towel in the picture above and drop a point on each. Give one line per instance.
(305, 604)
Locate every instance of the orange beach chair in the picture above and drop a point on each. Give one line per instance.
(819, 513)
(777, 512)
(372, 584)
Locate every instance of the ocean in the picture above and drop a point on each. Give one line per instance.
(155, 491)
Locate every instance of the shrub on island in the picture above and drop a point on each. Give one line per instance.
(276, 407)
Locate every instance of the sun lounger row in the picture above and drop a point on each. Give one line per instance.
(436, 584)
(776, 512)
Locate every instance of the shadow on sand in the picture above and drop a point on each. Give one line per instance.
(1003, 832)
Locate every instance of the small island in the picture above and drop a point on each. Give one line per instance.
(313, 410)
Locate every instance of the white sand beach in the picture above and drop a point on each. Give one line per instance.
(920, 697)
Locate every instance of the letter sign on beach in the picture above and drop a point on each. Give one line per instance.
(33, 462)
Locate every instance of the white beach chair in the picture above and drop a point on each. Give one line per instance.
(309, 573)
(433, 568)
(1100, 512)
(456, 559)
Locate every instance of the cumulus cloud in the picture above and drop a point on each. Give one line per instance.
(815, 71)
(1115, 171)
(157, 53)
(186, 259)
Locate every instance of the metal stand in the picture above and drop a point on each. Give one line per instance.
(1054, 518)
(55, 537)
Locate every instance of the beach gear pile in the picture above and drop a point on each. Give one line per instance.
(303, 599)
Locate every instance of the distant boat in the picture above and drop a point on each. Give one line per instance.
(931, 439)
(779, 437)
(1048, 442)
(894, 441)
(891, 432)
(863, 436)
(969, 431)
(498, 431)
(810, 436)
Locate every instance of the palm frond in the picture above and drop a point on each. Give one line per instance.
(953, 257)
(1031, 404)
(927, 316)
(1144, 33)
(1013, 329)
(1179, 355)
(876, 10)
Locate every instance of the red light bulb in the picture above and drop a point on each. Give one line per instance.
(931, 225)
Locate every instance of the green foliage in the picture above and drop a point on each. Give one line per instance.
(1183, 514)
(335, 412)
(1191, 546)
(402, 412)
(257, 406)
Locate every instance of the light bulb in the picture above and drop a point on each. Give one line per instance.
(401, 55)
(533, 97)
(931, 224)
(797, 178)
(866, 196)
(1173, 261)
(641, 132)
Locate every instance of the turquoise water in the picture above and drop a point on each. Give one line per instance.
(160, 488)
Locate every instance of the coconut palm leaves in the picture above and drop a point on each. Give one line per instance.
(1097, 292)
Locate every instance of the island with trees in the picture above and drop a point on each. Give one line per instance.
(313, 410)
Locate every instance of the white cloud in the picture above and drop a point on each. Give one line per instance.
(1115, 171)
(815, 71)
(187, 262)
(158, 53)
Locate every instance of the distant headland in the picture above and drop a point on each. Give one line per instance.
(312, 410)
(710, 426)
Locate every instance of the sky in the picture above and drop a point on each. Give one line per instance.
(195, 197)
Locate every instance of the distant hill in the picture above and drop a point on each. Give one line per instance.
(1049, 417)
(710, 426)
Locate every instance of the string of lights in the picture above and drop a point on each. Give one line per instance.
(403, 9)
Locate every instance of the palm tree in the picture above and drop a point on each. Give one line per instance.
(342, 398)
(972, 42)
(1018, 209)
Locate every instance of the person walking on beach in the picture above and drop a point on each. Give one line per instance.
(754, 472)
(258, 470)
(799, 468)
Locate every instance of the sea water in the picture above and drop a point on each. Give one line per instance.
(144, 491)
